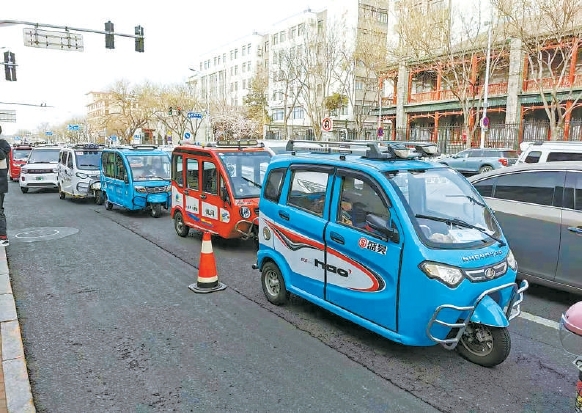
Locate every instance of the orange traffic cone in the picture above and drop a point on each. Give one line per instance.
(207, 274)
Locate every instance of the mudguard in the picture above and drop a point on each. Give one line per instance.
(489, 313)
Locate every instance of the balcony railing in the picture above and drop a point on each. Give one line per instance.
(494, 89)
(549, 83)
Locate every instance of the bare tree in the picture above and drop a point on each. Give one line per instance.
(129, 109)
(450, 58)
(255, 101)
(317, 59)
(172, 106)
(362, 58)
(551, 34)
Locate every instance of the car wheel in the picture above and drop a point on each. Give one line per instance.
(62, 195)
(273, 284)
(485, 168)
(179, 225)
(24, 190)
(156, 210)
(484, 345)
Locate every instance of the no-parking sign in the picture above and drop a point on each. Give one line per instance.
(327, 124)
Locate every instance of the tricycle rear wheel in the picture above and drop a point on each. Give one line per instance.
(98, 197)
(484, 345)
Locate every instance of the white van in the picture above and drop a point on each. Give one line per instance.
(550, 151)
(78, 167)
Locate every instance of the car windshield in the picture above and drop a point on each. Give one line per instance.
(88, 160)
(44, 156)
(20, 154)
(445, 209)
(246, 171)
(150, 167)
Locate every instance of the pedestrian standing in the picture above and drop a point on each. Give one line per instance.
(4, 159)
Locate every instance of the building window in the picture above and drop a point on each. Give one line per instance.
(298, 113)
(244, 67)
(282, 37)
(231, 54)
(301, 29)
(236, 70)
(319, 26)
(292, 32)
(359, 85)
(244, 51)
(278, 114)
(275, 38)
(236, 53)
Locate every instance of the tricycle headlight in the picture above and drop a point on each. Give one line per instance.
(446, 274)
(81, 175)
(245, 212)
(140, 189)
(511, 261)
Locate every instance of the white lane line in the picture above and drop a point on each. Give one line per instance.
(540, 320)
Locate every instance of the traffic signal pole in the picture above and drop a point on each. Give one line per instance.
(108, 33)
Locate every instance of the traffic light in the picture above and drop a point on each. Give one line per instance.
(171, 111)
(109, 36)
(10, 66)
(139, 39)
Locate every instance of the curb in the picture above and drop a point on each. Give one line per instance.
(16, 382)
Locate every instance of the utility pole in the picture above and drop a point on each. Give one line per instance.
(485, 119)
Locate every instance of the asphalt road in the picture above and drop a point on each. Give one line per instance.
(109, 325)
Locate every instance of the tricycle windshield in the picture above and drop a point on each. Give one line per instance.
(88, 160)
(154, 167)
(446, 210)
(246, 171)
(20, 154)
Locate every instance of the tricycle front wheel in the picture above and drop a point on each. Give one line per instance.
(484, 345)
(99, 197)
(156, 210)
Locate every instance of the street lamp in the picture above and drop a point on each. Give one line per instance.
(484, 119)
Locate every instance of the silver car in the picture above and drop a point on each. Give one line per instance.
(473, 161)
(539, 207)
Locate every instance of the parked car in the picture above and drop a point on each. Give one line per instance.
(473, 161)
(550, 151)
(539, 207)
(40, 169)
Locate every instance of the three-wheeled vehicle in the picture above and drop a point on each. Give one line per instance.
(216, 187)
(18, 156)
(78, 168)
(402, 246)
(136, 178)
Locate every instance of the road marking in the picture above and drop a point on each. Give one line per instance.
(540, 320)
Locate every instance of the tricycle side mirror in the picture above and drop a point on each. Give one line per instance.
(381, 225)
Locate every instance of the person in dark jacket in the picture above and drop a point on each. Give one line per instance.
(4, 160)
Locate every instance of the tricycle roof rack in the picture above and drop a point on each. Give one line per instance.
(88, 146)
(235, 143)
(144, 147)
(387, 150)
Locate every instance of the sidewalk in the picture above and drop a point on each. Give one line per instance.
(15, 393)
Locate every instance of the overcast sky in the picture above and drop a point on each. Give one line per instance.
(176, 33)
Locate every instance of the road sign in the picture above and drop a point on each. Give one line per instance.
(73, 127)
(194, 115)
(7, 115)
(485, 122)
(380, 131)
(48, 39)
(327, 124)
(48, 133)
(187, 135)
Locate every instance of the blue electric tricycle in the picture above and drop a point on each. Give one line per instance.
(377, 233)
(135, 178)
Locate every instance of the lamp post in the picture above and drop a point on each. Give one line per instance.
(484, 119)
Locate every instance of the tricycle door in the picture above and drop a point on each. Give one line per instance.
(190, 201)
(178, 183)
(362, 264)
(211, 203)
(301, 219)
(70, 178)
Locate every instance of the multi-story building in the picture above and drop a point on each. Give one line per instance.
(502, 106)
(302, 56)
